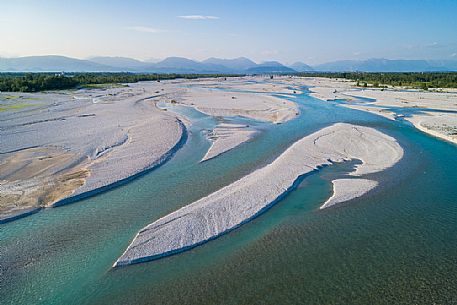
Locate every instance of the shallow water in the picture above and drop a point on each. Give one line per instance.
(395, 245)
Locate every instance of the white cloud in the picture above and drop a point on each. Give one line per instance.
(199, 17)
(454, 54)
(144, 29)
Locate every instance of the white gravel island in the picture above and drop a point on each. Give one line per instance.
(239, 202)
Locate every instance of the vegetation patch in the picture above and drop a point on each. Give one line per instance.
(416, 80)
(34, 82)
(15, 106)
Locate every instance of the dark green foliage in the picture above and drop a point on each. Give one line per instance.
(34, 82)
(420, 80)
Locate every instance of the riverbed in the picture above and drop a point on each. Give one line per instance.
(396, 244)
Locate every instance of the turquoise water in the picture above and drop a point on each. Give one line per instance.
(395, 245)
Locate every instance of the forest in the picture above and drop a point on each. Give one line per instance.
(419, 80)
(34, 82)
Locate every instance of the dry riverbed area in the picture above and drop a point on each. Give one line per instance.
(433, 112)
(56, 147)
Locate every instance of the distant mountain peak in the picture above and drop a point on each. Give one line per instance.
(236, 64)
(301, 67)
(269, 67)
(388, 65)
(117, 61)
(51, 63)
(177, 58)
(271, 63)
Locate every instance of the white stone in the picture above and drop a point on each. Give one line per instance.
(237, 203)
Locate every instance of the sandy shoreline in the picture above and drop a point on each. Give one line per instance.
(73, 143)
(261, 107)
(67, 145)
(224, 98)
(237, 203)
(226, 137)
(347, 189)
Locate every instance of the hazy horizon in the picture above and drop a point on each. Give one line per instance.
(157, 60)
(288, 31)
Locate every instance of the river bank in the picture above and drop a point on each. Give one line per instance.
(67, 145)
(239, 202)
(433, 112)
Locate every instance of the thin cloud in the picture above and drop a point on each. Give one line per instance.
(433, 45)
(454, 54)
(199, 17)
(144, 29)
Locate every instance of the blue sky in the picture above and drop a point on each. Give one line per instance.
(286, 30)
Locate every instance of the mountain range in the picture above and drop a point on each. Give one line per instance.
(241, 65)
(388, 65)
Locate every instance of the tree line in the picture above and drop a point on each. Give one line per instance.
(34, 82)
(420, 80)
